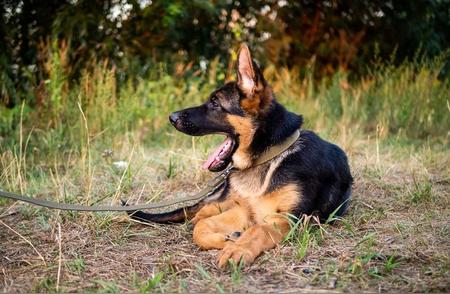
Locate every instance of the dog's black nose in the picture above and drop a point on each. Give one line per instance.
(174, 117)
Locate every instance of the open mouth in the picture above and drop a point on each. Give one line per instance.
(221, 156)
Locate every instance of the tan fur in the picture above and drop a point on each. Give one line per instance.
(253, 242)
(252, 104)
(261, 219)
(211, 232)
(244, 127)
(269, 227)
(267, 209)
(248, 182)
(213, 209)
(258, 102)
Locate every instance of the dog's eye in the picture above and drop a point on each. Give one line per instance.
(214, 103)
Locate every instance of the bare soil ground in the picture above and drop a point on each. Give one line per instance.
(394, 238)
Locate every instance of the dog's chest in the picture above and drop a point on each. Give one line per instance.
(251, 188)
(253, 182)
(249, 183)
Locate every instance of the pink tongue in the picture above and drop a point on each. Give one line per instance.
(215, 158)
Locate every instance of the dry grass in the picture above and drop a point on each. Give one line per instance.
(394, 238)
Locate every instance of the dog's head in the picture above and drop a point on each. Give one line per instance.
(232, 110)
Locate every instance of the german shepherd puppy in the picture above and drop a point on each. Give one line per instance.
(248, 214)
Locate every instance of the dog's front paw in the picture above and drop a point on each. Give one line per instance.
(235, 252)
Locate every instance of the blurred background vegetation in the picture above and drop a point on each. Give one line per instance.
(125, 64)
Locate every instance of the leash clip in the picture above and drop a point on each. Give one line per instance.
(218, 180)
(227, 171)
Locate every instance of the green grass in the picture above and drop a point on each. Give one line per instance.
(151, 283)
(393, 125)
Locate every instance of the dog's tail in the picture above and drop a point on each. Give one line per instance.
(176, 216)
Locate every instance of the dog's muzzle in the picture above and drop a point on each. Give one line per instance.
(181, 122)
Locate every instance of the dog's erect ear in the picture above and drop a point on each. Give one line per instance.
(248, 75)
(252, 84)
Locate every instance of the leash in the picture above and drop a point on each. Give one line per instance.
(211, 187)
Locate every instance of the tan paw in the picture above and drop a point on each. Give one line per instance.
(235, 252)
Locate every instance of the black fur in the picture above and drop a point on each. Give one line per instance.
(322, 170)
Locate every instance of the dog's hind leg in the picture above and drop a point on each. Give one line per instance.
(213, 232)
(213, 209)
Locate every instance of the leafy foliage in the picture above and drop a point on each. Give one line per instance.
(134, 35)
